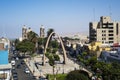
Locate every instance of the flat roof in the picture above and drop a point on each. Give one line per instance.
(5, 66)
(111, 55)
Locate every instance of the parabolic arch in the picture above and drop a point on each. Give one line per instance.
(63, 48)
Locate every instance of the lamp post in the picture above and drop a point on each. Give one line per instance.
(63, 68)
(40, 72)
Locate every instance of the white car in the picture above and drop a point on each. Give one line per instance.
(13, 62)
(17, 58)
(27, 70)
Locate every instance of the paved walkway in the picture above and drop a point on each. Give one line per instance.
(59, 68)
(32, 67)
(47, 69)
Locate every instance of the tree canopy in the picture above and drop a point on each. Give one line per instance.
(32, 36)
(25, 46)
(77, 75)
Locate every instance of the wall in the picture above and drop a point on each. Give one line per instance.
(3, 57)
(8, 72)
(1, 46)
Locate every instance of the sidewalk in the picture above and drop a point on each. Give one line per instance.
(32, 67)
(31, 64)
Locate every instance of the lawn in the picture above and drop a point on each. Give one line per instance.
(58, 77)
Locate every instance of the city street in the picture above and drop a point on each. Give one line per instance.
(19, 69)
(21, 73)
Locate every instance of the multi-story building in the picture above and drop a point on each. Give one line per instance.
(5, 66)
(105, 31)
(25, 32)
(42, 32)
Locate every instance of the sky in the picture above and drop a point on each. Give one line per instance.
(64, 16)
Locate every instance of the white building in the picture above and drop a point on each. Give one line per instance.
(5, 66)
(105, 31)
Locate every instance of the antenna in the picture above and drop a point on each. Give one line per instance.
(110, 13)
(4, 34)
(94, 13)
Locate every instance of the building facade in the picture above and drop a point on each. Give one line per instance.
(25, 32)
(5, 66)
(4, 50)
(105, 31)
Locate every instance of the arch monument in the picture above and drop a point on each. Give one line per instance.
(63, 48)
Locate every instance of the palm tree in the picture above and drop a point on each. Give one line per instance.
(32, 36)
(49, 31)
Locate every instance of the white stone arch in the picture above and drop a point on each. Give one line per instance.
(46, 46)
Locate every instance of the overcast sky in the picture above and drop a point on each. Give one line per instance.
(64, 16)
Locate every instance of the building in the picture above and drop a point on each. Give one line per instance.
(111, 56)
(42, 32)
(25, 32)
(98, 47)
(5, 66)
(105, 31)
(4, 50)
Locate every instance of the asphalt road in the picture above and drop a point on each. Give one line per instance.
(19, 69)
(21, 73)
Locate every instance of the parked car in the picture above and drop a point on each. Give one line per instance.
(17, 58)
(18, 66)
(22, 62)
(42, 78)
(15, 77)
(27, 70)
(13, 62)
(14, 71)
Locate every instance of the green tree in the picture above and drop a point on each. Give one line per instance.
(42, 41)
(16, 41)
(91, 62)
(54, 44)
(50, 31)
(41, 44)
(32, 36)
(25, 46)
(115, 71)
(77, 75)
(56, 57)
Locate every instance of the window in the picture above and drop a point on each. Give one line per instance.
(103, 38)
(110, 27)
(103, 34)
(110, 41)
(110, 31)
(110, 34)
(3, 76)
(104, 25)
(117, 29)
(103, 31)
(111, 38)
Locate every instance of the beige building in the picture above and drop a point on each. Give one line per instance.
(25, 32)
(105, 31)
(42, 32)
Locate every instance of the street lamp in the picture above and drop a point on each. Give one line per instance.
(63, 68)
(40, 72)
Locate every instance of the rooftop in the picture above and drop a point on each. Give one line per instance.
(5, 66)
